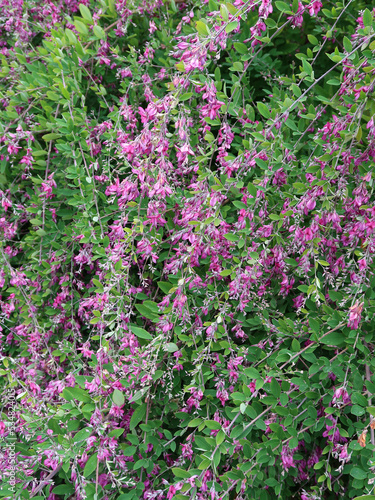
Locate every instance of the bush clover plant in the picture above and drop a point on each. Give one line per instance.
(187, 230)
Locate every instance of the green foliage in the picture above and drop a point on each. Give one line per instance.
(187, 253)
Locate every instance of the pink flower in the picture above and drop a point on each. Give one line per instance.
(310, 204)
(183, 152)
(265, 8)
(344, 453)
(308, 234)
(362, 264)
(13, 149)
(173, 489)
(251, 386)
(314, 7)
(299, 301)
(340, 393)
(47, 186)
(171, 492)
(287, 458)
(297, 20)
(6, 203)
(126, 73)
(355, 315)
(153, 213)
(279, 178)
(152, 27)
(187, 451)
(27, 160)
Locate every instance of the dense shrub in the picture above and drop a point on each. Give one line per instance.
(187, 244)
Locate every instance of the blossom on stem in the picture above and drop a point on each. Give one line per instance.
(355, 315)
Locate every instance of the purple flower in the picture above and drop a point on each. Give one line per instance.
(355, 315)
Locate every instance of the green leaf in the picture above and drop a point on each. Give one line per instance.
(224, 12)
(226, 272)
(181, 473)
(91, 465)
(71, 393)
(73, 425)
(240, 205)
(98, 284)
(152, 306)
(138, 395)
(8, 493)
(141, 463)
(205, 464)
(81, 27)
(54, 425)
(118, 397)
(231, 26)
(314, 325)
(138, 416)
(170, 347)
(217, 457)
(82, 435)
(263, 110)
(116, 433)
(347, 44)
(53, 97)
(71, 36)
(334, 338)
(335, 296)
(146, 312)
(50, 137)
(296, 90)
(236, 431)
(241, 47)
(231, 9)
(323, 263)
(202, 28)
(357, 398)
(85, 13)
(63, 489)
(185, 97)
(99, 32)
(275, 217)
(220, 436)
(365, 497)
(140, 332)
(275, 388)
(252, 190)
(307, 67)
(296, 346)
(165, 286)
(231, 237)
(358, 473)
(367, 18)
(130, 451)
(252, 373)
(212, 424)
(195, 422)
(112, 9)
(282, 6)
(357, 410)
